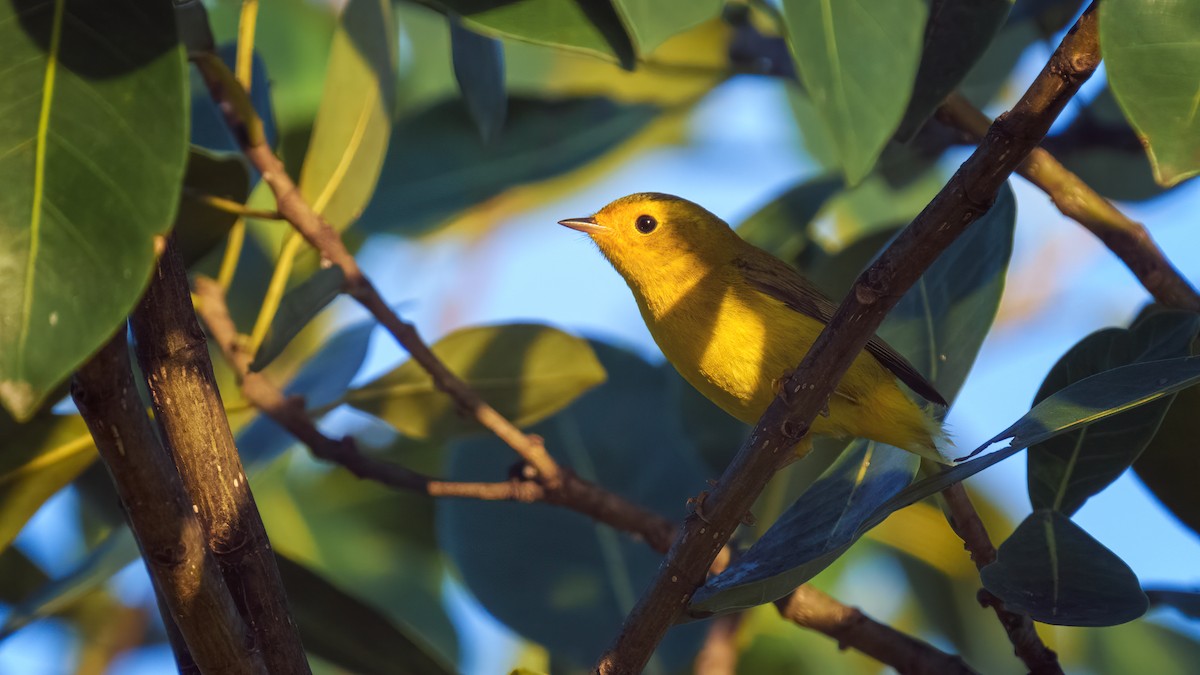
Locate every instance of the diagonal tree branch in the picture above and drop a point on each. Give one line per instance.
(965, 197)
(186, 578)
(1126, 238)
(173, 354)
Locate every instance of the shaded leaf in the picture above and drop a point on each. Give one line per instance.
(199, 228)
(350, 135)
(1056, 573)
(858, 62)
(322, 381)
(349, 633)
(813, 532)
(580, 25)
(957, 35)
(18, 575)
(1187, 602)
(92, 152)
(479, 70)
(37, 459)
(650, 22)
(437, 165)
(781, 227)
(557, 577)
(525, 371)
(1170, 464)
(1068, 469)
(1151, 55)
(298, 307)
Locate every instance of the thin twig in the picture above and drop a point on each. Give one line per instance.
(1126, 238)
(173, 353)
(185, 574)
(719, 653)
(229, 205)
(967, 196)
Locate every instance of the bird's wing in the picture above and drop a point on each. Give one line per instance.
(770, 275)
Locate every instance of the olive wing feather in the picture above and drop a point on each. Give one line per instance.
(775, 278)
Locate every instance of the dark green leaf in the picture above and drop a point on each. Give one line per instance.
(92, 153)
(781, 227)
(1068, 469)
(858, 62)
(813, 532)
(650, 22)
(958, 33)
(526, 371)
(579, 25)
(437, 165)
(19, 575)
(1187, 602)
(349, 633)
(1152, 53)
(199, 228)
(354, 122)
(1056, 573)
(941, 322)
(1170, 464)
(298, 307)
(479, 70)
(37, 459)
(555, 576)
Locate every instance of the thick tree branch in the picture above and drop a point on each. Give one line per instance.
(1126, 238)
(173, 353)
(185, 575)
(965, 197)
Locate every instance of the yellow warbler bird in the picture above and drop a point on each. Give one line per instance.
(734, 320)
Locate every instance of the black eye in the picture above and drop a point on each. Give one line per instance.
(646, 224)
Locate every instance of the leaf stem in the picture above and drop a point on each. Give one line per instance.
(247, 23)
(275, 290)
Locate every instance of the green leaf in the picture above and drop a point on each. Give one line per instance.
(479, 70)
(37, 459)
(781, 227)
(940, 323)
(18, 575)
(858, 62)
(525, 371)
(199, 227)
(1152, 55)
(347, 632)
(118, 550)
(298, 307)
(350, 136)
(813, 532)
(590, 26)
(92, 152)
(1068, 469)
(957, 35)
(557, 577)
(1170, 464)
(437, 165)
(651, 22)
(1056, 573)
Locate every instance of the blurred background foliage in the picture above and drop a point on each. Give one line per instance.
(433, 133)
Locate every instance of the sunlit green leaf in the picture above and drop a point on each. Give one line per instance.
(354, 122)
(570, 591)
(437, 165)
(348, 632)
(650, 22)
(581, 25)
(299, 306)
(1066, 470)
(956, 37)
(1056, 573)
(479, 70)
(37, 459)
(1152, 55)
(92, 152)
(858, 62)
(525, 371)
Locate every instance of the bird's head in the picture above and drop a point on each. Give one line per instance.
(648, 232)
